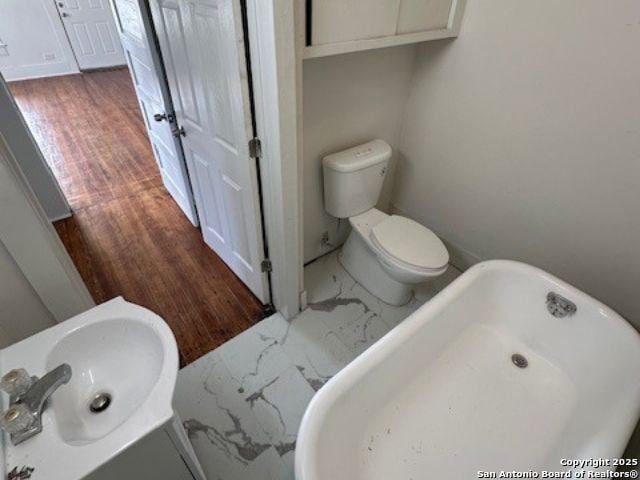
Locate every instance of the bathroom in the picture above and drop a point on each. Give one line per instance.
(516, 139)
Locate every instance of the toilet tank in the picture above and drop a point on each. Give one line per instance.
(353, 178)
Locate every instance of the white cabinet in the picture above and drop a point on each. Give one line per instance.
(335, 21)
(423, 15)
(164, 454)
(342, 26)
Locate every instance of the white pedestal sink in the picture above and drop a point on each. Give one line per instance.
(118, 349)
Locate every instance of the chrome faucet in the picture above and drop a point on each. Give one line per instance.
(28, 396)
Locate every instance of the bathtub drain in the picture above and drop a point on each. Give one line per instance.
(519, 360)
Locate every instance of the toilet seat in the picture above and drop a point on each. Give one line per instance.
(401, 241)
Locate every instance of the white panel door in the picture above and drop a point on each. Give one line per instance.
(202, 47)
(91, 30)
(133, 22)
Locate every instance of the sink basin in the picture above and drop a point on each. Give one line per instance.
(117, 350)
(119, 357)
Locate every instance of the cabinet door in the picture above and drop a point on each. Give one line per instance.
(341, 26)
(423, 15)
(152, 457)
(344, 20)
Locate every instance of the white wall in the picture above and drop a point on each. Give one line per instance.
(347, 100)
(37, 252)
(522, 140)
(32, 163)
(32, 40)
(22, 313)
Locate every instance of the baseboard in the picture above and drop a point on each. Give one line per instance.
(304, 303)
(18, 74)
(458, 257)
(57, 218)
(108, 68)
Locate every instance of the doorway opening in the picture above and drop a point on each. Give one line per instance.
(129, 235)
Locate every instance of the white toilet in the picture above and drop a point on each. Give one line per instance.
(386, 254)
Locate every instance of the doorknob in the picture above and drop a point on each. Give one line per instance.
(177, 132)
(60, 4)
(65, 14)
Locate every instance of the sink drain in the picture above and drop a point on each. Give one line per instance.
(100, 402)
(519, 360)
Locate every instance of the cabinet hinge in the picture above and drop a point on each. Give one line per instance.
(266, 266)
(255, 148)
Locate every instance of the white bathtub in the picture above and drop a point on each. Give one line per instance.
(440, 398)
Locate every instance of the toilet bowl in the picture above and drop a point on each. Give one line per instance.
(386, 254)
(389, 254)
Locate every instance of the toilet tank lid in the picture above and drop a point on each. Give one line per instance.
(359, 157)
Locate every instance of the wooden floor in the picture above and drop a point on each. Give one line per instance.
(127, 236)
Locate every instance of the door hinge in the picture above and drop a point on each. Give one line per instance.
(178, 132)
(169, 117)
(268, 310)
(266, 265)
(255, 148)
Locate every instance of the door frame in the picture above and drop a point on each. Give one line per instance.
(275, 55)
(275, 73)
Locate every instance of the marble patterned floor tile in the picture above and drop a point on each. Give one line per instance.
(268, 466)
(363, 332)
(390, 314)
(254, 358)
(325, 278)
(330, 289)
(279, 407)
(315, 349)
(428, 290)
(340, 311)
(223, 430)
(242, 403)
(289, 462)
